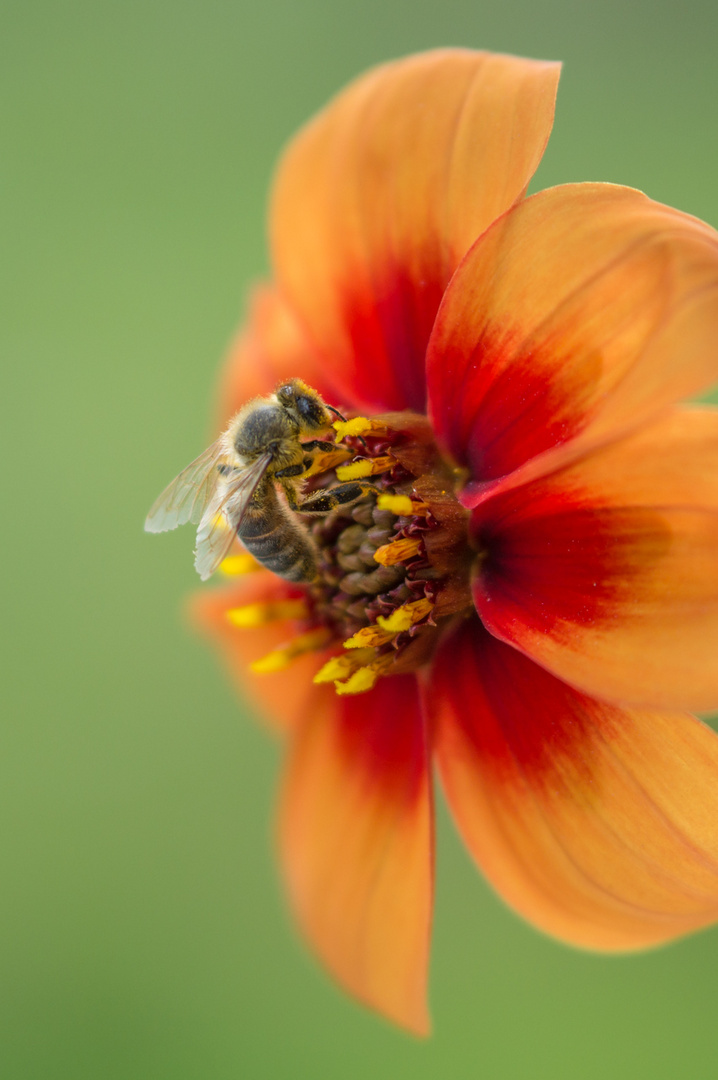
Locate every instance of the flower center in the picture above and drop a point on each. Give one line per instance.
(393, 565)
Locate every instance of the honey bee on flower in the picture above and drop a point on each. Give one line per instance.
(523, 585)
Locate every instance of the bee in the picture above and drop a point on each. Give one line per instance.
(232, 488)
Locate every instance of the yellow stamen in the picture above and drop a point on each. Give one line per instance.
(368, 637)
(358, 426)
(358, 683)
(398, 551)
(405, 616)
(365, 467)
(281, 658)
(243, 563)
(402, 506)
(252, 615)
(388, 626)
(365, 677)
(340, 667)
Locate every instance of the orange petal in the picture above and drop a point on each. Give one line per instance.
(271, 348)
(598, 824)
(378, 198)
(283, 697)
(579, 315)
(606, 572)
(357, 845)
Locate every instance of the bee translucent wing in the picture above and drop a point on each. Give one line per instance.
(224, 515)
(189, 494)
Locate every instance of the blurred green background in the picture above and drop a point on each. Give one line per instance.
(143, 930)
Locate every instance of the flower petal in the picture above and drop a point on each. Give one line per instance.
(580, 314)
(357, 845)
(379, 197)
(283, 698)
(606, 572)
(271, 347)
(598, 824)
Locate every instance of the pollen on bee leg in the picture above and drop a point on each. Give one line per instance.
(341, 667)
(365, 467)
(244, 563)
(281, 658)
(398, 551)
(252, 615)
(402, 505)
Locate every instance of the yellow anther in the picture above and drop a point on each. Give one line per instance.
(252, 615)
(341, 667)
(398, 551)
(365, 467)
(358, 426)
(364, 678)
(405, 616)
(244, 563)
(358, 683)
(388, 626)
(402, 506)
(368, 637)
(281, 658)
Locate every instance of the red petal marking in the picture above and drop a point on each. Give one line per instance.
(553, 560)
(284, 697)
(388, 323)
(378, 198)
(513, 401)
(606, 572)
(513, 711)
(270, 348)
(582, 312)
(598, 824)
(356, 839)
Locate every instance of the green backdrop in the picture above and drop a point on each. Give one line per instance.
(143, 930)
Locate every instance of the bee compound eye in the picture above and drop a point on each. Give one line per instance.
(310, 410)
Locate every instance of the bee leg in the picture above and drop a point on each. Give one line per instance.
(318, 444)
(287, 478)
(294, 470)
(321, 502)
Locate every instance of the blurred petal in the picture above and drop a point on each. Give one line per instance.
(357, 845)
(283, 698)
(606, 572)
(580, 314)
(598, 824)
(379, 197)
(271, 347)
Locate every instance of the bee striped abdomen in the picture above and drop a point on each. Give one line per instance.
(276, 539)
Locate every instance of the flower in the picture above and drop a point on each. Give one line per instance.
(532, 600)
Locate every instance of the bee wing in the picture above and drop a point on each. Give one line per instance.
(189, 494)
(224, 514)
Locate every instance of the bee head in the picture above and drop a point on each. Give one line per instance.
(304, 405)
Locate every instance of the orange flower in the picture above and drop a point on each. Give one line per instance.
(533, 599)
